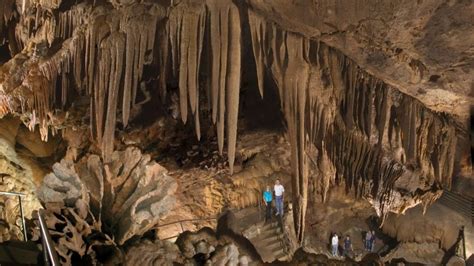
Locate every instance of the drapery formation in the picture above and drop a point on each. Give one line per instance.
(349, 124)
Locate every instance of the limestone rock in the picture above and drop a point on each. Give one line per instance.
(130, 195)
(17, 174)
(155, 253)
(424, 253)
(204, 247)
(33, 143)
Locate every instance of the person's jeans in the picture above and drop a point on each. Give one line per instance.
(279, 204)
(268, 211)
(334, 250)
(368, 245)
(346, 252)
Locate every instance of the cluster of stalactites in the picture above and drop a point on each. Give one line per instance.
(325, 97)
(219, 21)
(104, 54)
(331, 104)
(103, 58)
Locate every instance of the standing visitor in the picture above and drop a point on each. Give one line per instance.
(267, 199)
(368, 241)
(347, 246)
(279, 189)
(372, 241)
(334, 244)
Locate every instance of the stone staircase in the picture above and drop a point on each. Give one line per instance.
(274, 240)
(270, 242)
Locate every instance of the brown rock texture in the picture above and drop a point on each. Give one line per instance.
(128, 196)
(18, 173)
(374, 95)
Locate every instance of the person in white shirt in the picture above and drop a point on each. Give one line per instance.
(279, 190)
(334, 244)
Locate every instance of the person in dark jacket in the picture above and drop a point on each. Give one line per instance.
(347, 246)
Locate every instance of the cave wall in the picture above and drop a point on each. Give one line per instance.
(347, 122)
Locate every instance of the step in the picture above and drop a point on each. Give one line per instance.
(267, 234)
(271, 224)
(265, 229)
(279, 254)
(270, 239)
(275, 246)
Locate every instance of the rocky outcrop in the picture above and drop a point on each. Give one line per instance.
(426, 253)
(192, 248)
(91, 203)
(18, 173)
(429, 238)
(156, 253)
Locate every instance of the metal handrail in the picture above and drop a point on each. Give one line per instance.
(6, 193)
(49, 254)
(19, 195)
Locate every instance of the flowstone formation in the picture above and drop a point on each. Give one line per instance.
(92, 204)
(368, 107)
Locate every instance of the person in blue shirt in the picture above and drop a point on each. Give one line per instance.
(267, 199)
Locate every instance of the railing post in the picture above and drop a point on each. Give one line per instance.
(463, 243)
(45, 249)
(47, 242)
(25, 237)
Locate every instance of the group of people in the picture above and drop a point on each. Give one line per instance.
(369, 244)
(268, 194)
(346, 245)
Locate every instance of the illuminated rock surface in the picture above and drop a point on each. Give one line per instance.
(149, 112)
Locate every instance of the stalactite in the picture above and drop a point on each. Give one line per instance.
(139, 27)
(117, 44)
(290, 70)
(6, 15)
(355, 122)
(163, 35)
(233, 83)
(342, 125)
(187, 26)
(258, 30)
(187, 22)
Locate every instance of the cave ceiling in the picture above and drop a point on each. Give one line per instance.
(375, 94)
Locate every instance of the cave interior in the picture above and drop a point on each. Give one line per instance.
(147, 131)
